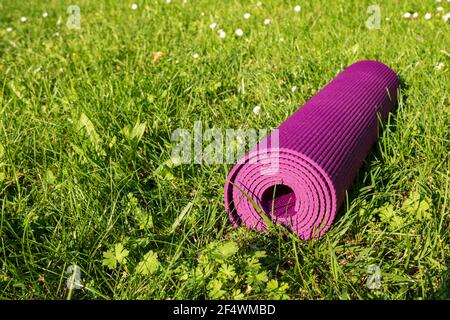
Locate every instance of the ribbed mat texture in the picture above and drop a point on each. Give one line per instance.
(298, 177)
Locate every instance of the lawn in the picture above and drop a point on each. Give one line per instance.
(92, 207)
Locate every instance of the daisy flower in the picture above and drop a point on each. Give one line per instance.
(267, 21)
(246, 16)
(45, 15)
(415, 15)
(446, 16)
(427, 16)
(239, 32)
(213, 25)
(297, 8)
(9, 29)
(195, 56)
(23, 19)
(134, 6)
(440, 9)
(256, 109)
(407, 15)
(221, 33)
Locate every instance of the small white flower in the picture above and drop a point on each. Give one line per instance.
(267, 21)
(294, 88)
(202, 14)
(134, 6)
(45, 15)
(297, 8)
(427, 16)
(23, 19)
(239, 32)
(440, 9)
(213, 25)
(407, 15)
(61, 70)
(439, 66)
(415, 15)
(184, 1)
(439, 1)
(168, 1)
(221, 33)
(281, 39)
(256, 109)
(9, 29)
(247, 16)
(195, 56)
(56, 34)
(388, 19)
(259, 4)
(446, 17)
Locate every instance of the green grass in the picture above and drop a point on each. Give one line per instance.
(78, 189)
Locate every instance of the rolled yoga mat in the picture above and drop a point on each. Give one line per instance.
(298, 178)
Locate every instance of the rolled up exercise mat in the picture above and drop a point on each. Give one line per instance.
(298, 175)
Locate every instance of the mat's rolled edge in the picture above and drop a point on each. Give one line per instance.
(315, 194)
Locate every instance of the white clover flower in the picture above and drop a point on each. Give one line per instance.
(294, 88)
(427, 16)
(195, 56)
(297, 8)
(239, 32)
(9, 29)
(213, 25)
(415, 15)
(134, 6)
(221, 33)
(440, 9)
(256, 109)
(407, 15)
(247, 16)
(267, 21)
(23, 19)
(440, 66)
(45, 15)
(446, 17)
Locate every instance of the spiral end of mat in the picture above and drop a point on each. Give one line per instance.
(285, 186)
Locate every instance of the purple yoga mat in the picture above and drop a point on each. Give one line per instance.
(299, 179)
